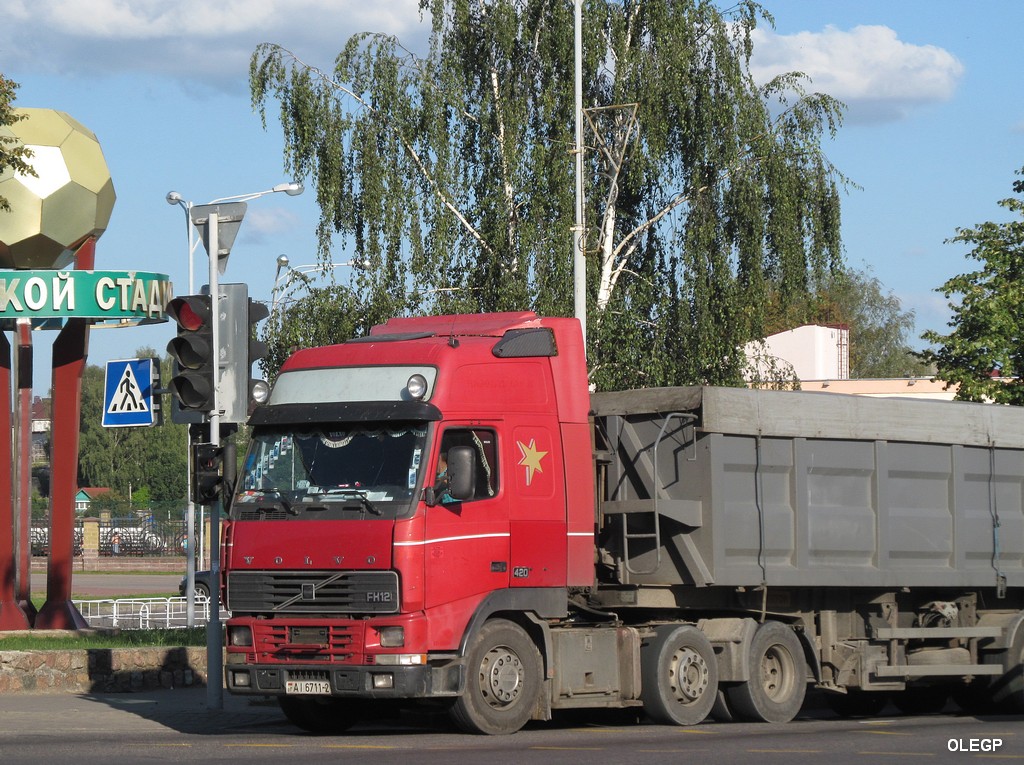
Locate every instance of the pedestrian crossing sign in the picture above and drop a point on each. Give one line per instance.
(128, 394)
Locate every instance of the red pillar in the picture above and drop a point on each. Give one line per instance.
(70, 350)
(23, 505)
(11, 615)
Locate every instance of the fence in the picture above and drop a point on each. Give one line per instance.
(144, 613)
(135, 536)
(130, 536)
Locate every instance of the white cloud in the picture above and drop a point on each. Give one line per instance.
(191, 40)
(878, 76)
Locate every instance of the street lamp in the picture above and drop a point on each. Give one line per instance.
(291, 188)
(281, 281)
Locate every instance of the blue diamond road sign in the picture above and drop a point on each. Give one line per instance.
(128, 394)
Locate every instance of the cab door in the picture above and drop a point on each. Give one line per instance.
(466, 542)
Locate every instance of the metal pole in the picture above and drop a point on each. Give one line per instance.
(190, 507)
(578, 240)
(214, 644)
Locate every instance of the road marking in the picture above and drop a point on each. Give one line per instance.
(785, 751)
(359, 746)
(699, 732)
(900, 754)
(887, 733)
(568, 748)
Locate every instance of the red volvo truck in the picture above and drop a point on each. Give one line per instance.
(441, 513)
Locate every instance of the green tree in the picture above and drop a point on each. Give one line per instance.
(152, 460)
(307, 317)
(14, 155)
(451, 173)
(987, 337)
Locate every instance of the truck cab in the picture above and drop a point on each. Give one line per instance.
(399, 490)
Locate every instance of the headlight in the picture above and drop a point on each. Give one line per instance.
(259, 391)
(417, 387)
(391, 637)
(240, 636)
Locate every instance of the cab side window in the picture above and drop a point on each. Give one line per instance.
(484, 444)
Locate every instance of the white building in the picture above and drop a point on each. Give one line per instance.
(819, 357)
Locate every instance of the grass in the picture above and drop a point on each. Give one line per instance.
(153, 638)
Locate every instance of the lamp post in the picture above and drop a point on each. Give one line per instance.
(208, 220)
(281, 281)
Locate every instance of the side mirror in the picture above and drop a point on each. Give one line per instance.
(461, 472)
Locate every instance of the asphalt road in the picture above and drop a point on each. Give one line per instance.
(177, 726)
(88, 585)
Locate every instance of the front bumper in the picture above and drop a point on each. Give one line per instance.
(366, 681)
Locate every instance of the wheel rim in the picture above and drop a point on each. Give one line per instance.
(501, 676)
(777, 672)
(689, 675)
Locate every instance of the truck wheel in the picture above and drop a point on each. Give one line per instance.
(778, 677)
(678, 676)
(321, 715)
(721, 711)
(504, 678)
(1008, 690)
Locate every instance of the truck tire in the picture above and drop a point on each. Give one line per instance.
(1008, 690)
(322, 715)
(678, 676)
(778, 677)
(721, 711)
(504, 679)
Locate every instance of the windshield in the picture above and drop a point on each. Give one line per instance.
(331, 471)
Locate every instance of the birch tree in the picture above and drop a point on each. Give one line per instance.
(451, 172)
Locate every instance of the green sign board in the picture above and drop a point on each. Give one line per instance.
(100, 295)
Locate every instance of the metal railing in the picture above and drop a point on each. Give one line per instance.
(144, 613)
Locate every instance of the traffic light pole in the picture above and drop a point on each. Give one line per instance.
(214, 643)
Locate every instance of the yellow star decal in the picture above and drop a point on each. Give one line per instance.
(531, 458)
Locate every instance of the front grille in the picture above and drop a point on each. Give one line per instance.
(313, 592)
(291, 643)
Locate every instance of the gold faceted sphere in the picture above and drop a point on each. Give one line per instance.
(70, 200)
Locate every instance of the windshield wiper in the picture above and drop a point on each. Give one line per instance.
(275, 495)
(358, 494)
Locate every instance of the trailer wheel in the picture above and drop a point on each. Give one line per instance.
(1008, 690)
(721, 711)
(679, 676)
(778, 677)
(318, 715)
(504, 679)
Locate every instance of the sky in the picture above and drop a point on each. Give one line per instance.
(932, 137)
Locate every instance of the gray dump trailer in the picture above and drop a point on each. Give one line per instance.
(871, 547)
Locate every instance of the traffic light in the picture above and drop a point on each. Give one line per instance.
(207, 472)
(239, 349)
(195, 368)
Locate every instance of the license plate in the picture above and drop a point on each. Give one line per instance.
(308, 687)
